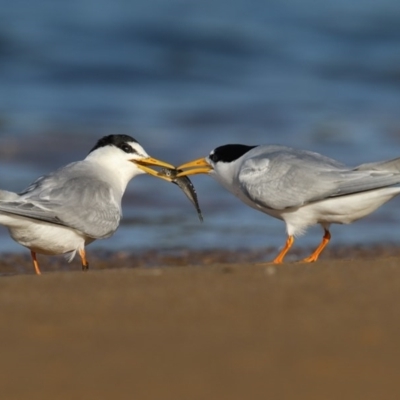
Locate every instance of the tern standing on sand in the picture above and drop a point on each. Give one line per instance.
(62, 212)
(300, 187)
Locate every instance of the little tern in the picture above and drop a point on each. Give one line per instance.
(300, 187)
(62, 212)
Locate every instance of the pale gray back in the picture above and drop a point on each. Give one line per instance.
(278, 177)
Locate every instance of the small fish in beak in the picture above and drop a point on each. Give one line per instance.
(185, 184)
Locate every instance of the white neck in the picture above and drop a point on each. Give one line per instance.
(117, 170)
(226, 174)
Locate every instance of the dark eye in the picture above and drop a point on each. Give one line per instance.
(213, 157)
(126, 148)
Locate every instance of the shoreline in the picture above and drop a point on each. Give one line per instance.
(20, 263)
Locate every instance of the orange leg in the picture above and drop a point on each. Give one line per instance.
(35, 263)
(325, 240)
(279, 258)
(85, 264)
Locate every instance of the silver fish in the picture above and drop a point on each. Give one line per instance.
(186, 185)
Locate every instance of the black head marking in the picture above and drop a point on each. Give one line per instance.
(120, 141)
(229, 152)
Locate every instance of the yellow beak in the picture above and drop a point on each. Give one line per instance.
(145, 162)
(198, 166)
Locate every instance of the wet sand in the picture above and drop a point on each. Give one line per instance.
(202, 330)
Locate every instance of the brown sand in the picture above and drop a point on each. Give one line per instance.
(329, 330)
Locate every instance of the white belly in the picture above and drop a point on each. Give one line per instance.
(336, 210)
(47, 238)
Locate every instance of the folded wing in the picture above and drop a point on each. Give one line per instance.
(82, 203)
(285, 180)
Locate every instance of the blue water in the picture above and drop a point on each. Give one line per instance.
(185, 77)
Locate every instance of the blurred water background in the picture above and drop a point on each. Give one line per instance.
(183, 77)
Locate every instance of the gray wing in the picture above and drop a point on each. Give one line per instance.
(80, 202)
(284, 180)
(388, 166)
(5, 195)
(87, 205)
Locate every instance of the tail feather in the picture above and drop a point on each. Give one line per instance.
(69, 256)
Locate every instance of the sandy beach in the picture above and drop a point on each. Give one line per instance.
(328, 330)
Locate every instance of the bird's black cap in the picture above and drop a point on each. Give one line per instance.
(229, 152)
(119, 141)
